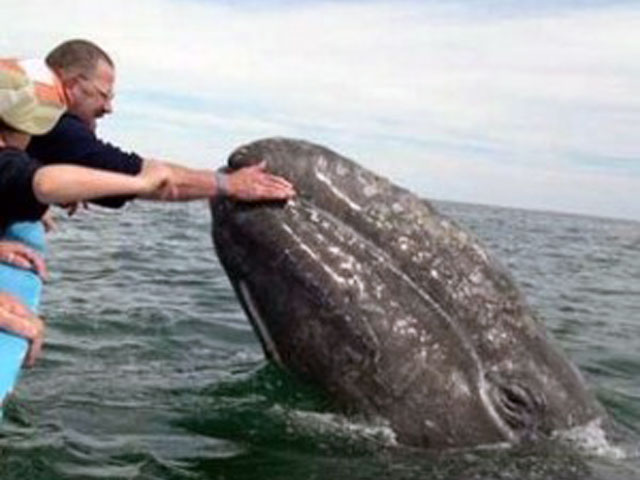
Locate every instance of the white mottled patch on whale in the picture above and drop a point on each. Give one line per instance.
(405, 243)
(460, 384)
(342, 170)
(303, 246)
(337, 192)
(405, 326)
(370, 190)
(308, 250)
(397, 208)
(481, 253)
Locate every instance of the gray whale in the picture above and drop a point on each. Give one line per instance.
(394, 310)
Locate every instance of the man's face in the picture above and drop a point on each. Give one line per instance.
(90, 96)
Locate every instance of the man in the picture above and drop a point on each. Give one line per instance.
(87, 76)
(31, 103)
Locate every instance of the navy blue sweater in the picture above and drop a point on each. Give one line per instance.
(71, 141)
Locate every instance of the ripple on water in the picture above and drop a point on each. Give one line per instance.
(151, 370)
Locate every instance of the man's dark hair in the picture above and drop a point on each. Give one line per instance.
(77, 56)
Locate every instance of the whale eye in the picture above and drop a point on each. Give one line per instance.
(520, 406)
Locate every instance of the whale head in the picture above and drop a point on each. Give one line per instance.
(397, 312)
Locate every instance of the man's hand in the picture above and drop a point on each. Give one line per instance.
(49, 221)
(15, 253)
(167, 181)
(254, 183)
(73, 207)
(158, 182)
(18, 319)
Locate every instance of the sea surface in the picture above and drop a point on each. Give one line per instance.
(151, 370)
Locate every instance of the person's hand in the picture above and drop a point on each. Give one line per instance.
(73, 207)
(15, 253)
(254, 183)
(49, 221)
(157, 182)
(18, 319)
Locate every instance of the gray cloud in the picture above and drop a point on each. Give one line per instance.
(489, 104)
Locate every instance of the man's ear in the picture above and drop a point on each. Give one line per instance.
(70, 85)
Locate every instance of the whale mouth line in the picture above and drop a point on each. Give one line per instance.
(258, 323)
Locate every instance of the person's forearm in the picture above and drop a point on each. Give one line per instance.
(251, 183)
(190, 184)
(70, 183)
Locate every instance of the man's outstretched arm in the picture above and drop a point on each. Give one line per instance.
(249, 184)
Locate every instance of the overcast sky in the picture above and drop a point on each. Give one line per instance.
(516, 103)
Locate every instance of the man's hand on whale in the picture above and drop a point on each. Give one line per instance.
(250, 184)
(254, 183)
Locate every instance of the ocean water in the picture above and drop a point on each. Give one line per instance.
(151, 370)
